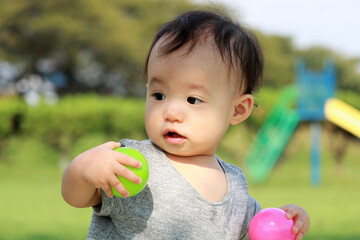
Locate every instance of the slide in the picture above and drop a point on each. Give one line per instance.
(272, 136)
(343, 115)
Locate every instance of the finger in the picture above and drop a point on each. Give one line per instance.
(127, 160)
(291, 211)
(124, 172)
(297, 226)
(285, 207)
(111, 145)
(116, 184)
(108, 191)
(299, 236)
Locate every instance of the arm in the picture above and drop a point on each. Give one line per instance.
(253, 207)
(301, 219)
(94, 169)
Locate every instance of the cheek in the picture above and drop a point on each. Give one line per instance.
(152, 118)
(148, 115)
(211, 125)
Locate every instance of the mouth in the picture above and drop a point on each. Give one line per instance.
(173, 137)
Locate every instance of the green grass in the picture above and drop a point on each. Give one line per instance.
(31, 206)
(34, 209)
(333, 210)
(333, 206)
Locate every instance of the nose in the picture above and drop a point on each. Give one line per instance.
(174, 112)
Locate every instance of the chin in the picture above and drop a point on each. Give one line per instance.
(183, 152)
(176, 150)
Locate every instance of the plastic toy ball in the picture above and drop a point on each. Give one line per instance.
(271, 224)
(142, 172)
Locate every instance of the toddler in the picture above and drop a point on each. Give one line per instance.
(201, 71)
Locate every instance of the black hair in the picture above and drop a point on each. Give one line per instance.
(237, 45)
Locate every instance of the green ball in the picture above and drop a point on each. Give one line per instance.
(142, 172)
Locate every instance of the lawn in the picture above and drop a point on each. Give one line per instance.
(33, 209)
(31, 206)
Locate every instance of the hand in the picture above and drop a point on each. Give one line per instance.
(301, 219)
(100, 166)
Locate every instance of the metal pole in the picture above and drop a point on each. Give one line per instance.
(315, 128)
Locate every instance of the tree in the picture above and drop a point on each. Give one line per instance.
(102, 45)
(279, 55)
(95, 44)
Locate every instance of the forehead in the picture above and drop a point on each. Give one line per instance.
(204, 53)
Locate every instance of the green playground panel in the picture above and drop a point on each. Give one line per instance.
(273, 135)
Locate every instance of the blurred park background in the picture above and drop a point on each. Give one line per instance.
(71, 78)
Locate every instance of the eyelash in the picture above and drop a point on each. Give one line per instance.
(191, 100)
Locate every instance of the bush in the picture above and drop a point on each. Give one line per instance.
(74, 117)
(11, 113)
(77, 116)
(349, 97)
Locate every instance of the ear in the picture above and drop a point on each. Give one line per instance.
(242, 108)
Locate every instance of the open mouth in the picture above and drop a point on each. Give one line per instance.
(173, 137)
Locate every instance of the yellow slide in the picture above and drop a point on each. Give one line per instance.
(343, 115)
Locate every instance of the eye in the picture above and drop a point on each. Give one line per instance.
(193, 100)
(159, 96)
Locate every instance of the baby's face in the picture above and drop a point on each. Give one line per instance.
(190, 100)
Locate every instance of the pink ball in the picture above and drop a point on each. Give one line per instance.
(271, 224)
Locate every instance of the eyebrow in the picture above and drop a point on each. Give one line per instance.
(192, 86)
(199, 88)
(155, 80)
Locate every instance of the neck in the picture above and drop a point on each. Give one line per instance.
(199, 160)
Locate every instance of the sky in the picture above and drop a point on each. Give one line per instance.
(334, 24)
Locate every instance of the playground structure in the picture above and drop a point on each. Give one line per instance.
(310, 99)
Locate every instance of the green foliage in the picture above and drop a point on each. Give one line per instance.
(111, 36)
(315, 56)
(11, 110)
(279, 55)
(77, 116)
(73, 118)
(349, 97)
(102, 45)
